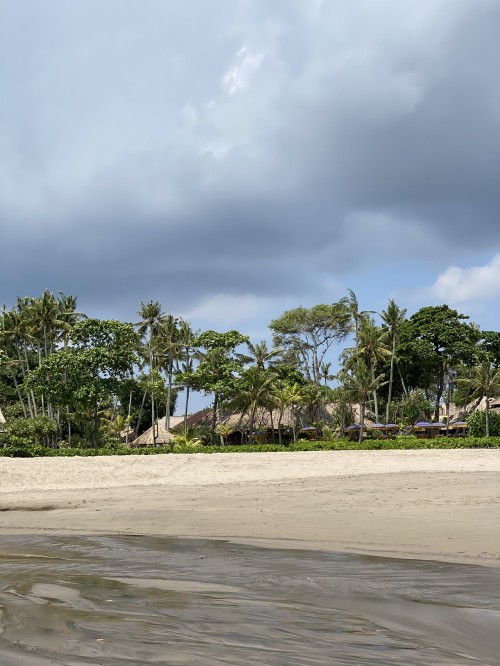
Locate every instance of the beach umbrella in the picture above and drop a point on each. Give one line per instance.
(458, 425)
(378, 426)
(439, 425)
(392, 426)
(354, 426)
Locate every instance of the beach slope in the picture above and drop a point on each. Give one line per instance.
(426, 504)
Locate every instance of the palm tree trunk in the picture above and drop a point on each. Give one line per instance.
(169, 392)
(96, 426)
(138, 425)
(391, 379)
(405, 392)
(20, 396)
(361, 420)
(375, 399)
(487, 416)
(186, 408)
(214, 419)
(279, 426)
(272, 425)
(128, 416)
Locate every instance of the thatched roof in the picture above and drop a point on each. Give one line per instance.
(162, 436)
(240, 420)
(175, 420)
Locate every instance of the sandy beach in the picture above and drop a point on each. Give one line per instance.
(441, 505)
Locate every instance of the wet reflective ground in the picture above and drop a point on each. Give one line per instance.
(141, 600)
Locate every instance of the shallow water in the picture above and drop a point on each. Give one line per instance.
(142, 600)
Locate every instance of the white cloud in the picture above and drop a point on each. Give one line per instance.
(459, 285)
(241, 73)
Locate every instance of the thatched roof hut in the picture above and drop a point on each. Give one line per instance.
(161, 437)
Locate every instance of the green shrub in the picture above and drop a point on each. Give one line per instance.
(25, 437)
(477, 424)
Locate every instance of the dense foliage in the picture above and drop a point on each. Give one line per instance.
(69, 383)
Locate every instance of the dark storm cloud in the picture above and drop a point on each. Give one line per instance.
(181, 151)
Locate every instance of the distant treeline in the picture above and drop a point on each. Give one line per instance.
(65, 377)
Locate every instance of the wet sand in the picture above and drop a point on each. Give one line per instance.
(432, 505)
(109, 601)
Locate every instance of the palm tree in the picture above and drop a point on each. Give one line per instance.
(152, 323)
(325, 372)
(260, 355)
(252, 392)
(224, 430)
(286, 396)
(187, 355)
(373, 348)
(393, 318)
(359, 385)
(352, 305)
(169, 349)
(484, 383)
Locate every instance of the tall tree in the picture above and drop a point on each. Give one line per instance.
(372, 347)
(308, 333)
(393, 319)
(151, 327)
(86, 373)
(359, 385)
(433, 340)
(218, 367)
(484, 382)
(251, 391)
(351, 304)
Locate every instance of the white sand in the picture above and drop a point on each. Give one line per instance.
(424, 504)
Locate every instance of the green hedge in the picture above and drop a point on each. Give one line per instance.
(402, 443)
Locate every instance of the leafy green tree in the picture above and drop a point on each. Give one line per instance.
(433, 340)
(87, 373)
(307, 334)
(489, 345)
(218, 368)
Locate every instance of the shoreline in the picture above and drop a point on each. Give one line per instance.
(423, 504)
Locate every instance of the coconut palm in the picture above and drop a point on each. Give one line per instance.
(286, 396)
(359, 385)
(372, 347)
(224, 430)
(392, 318)
(484, 382)
(169, 350)
(252, 390)
(187, 440)
(151, 327)
(352, 305)
(260, 356)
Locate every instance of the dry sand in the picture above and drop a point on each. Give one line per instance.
(423, 504)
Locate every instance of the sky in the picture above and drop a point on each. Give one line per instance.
(237, 158)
